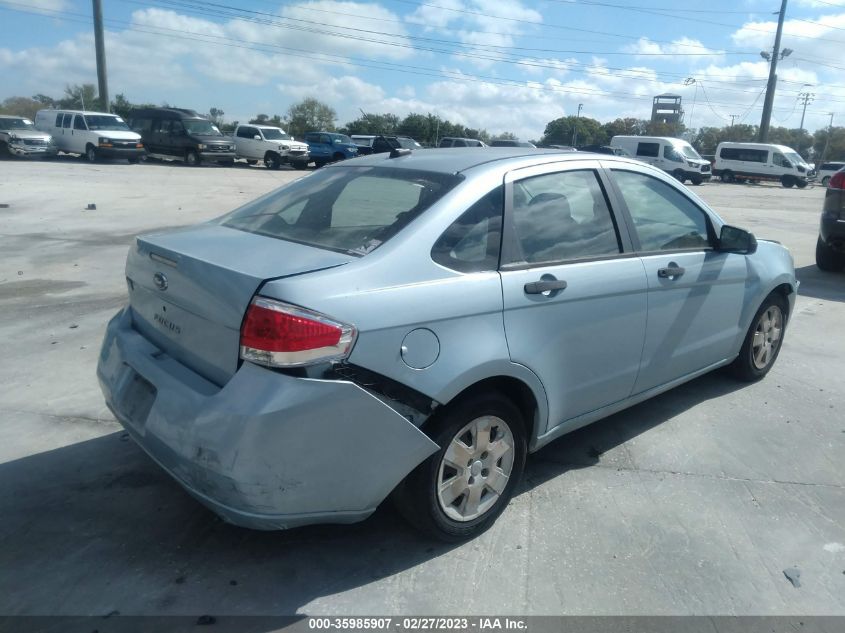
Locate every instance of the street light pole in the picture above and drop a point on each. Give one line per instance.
(766, 120)
(575, 127)
(100, 48)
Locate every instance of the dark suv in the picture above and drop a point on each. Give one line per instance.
(179, 134)
(830, 247)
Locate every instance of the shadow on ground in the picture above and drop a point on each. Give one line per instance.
(820, 284)
(97, 527)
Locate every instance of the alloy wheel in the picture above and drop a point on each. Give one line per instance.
(767, 337)
(475, 468)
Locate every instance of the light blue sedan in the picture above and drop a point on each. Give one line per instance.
(413, 324)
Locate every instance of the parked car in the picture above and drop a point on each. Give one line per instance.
(406, 322)
(507, 142)
(379, 144)
(330, 147)
(604, 149)
(181, 134)
(94, 135)
(673, 155)
(19, 137)
(830, 246)
(451, 141)
(826, 170)
(738, 162)
(270, 144)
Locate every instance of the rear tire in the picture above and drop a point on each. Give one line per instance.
(91, 153)
(459, 492)
(763, 340)
(727, 176)
(828, 259)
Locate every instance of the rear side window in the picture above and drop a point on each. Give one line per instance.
(652, 150)
(59, 120)
(67, 121)
(563, 216)
(744, 154)
(473, 241)
(351, 209)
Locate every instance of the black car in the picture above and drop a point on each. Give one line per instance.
(830, 247)
(381, 144)
(179, 134)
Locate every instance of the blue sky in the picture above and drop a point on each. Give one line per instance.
(503, 66)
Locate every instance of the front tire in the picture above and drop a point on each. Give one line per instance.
(788, 182)
(825, 180)
(192, 159)
(828, 259)
(459, 492)
(272, 161)
(91, 154)
(697, 181)
(763, 341)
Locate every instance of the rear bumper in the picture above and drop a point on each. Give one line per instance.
(266, 451)
(832, 232)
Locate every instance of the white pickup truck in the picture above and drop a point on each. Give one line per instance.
(272, 145)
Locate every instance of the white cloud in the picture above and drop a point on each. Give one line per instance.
(40, 6)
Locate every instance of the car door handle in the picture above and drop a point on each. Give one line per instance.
(544, 285)
(671, 271)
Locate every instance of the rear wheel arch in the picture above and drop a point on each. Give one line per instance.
(515, 390)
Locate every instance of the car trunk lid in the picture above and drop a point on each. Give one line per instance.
(190, 289)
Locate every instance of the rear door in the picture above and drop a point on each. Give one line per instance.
(695, 293)
(574, 293)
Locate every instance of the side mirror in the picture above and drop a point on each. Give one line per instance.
(257, 137)
(736, 240)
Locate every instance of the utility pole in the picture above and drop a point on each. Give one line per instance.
(827, 140)
(808, 97)
(733, 116)
(773, 78)
(575, 127)
(100, 46)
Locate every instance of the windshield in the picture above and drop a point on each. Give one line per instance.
(688, 151)
(342, 138)
(275, 134)
(201, 127)
(16, 124)
(352, 210)
(794, 158)
(105, 122)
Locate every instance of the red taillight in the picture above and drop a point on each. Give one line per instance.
(277, 334)
(837, 181)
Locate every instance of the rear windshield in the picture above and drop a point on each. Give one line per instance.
(348, 209)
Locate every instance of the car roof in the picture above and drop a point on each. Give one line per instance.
(64, 111)
(448, 161)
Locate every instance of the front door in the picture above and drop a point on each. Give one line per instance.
(574, 296)
(80, 135)
(695, 293)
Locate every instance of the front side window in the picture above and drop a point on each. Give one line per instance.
(664, 219)
(351, 210)
(672, 154)
(563, 216)
(472, 242)
(780, 160)
(79, 123)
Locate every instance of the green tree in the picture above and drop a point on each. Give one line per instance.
(628, 126)
(80, 97)
(121, 106)
(373, 124)
(708, 138)
(659, 128)
(263, 119)
(310, 115)
(22, 106)
(836, 146)
(506, 136)
(560, 131)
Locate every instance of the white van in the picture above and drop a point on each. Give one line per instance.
(738, 162)
(94, 135)
(672, 155)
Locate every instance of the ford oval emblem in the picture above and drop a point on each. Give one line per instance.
(160, 281)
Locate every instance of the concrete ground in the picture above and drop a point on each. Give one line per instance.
(693, 503)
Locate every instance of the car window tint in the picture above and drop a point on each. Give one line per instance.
(472, 242)
(59, 118)
(141, 126)
(664, 218)
(651, 150)
(243, 132)
(351, 209)
(67, 121)
(671, 153)
(79, 123)
(563, 216)
(780, 160)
